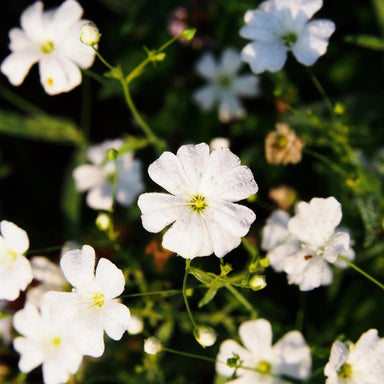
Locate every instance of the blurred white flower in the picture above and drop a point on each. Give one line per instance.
(152, 346)
(6, 329)
(205, 336)
(225, 86)
(261, 362)
(91, 308)
(97, 178)
(219, 142)
(135, 325)
(50, 38)
(360, 363)
(45, 341)
(280, 26)
(203, 187)
(15, 269)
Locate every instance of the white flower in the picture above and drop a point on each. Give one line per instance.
(260, 361)
(135, 325)
(50, 38)
(279, 26)
(91, 308)
(15, 269)
(97, 178)
(203, 187)
(224, 84)
(219, 142)
(45, 341)
(152, 346)
(360, 363)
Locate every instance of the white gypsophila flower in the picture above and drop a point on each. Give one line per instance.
(360, 363)
(219, 142)
(97, 177)
(49, 276)
(152, 346)
(15, 269)
(280, 26)
(261, 362)
(203, 187)
(135, 325)
(45, 341)
(205, 336)
(50, 38)
(225, 85)
(91, 308)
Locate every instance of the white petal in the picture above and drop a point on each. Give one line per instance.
(313, 42)
(292, 356)
(15, 237)
(110, 278)
(265, 56)
(78, 266)
(116, 319)
(246, 85)
(96, 153)
(259, 26)
(278, 254)
(31, 355)
(22, 272)
(276, 230)
(230, 61)
(58, 74)
(310, 7)
(32, 21)
(67, 15)
(230, 108)
(100, 197)
(159, 210)
(27, 321)
(206, 97)
(337, 244)
(316, 221)
(19, 40)
(129, 181)
(46, 271)
(54, 372)
(256, 335)
(87, 176)
(90, 337)
(207, 67)
(339, 355)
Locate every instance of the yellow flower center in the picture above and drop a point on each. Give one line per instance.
(47, 47)
(98, 300)
(264, 367)
(198, 203)
(345, 371)
(8, 257)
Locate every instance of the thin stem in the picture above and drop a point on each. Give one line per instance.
(101, 58)
(335, 167)
(19, 102)
(365, 274)
(166, 292)
(95, 76)
(187, 266)
(191, 355)
(240, 298)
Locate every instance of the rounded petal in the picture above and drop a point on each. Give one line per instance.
(339, 355)
(54, 372)
(159, 210)
(256, 336)
(31, 21)
(78, 266)
(265, 56)
(58, 74)
(22, 272)
(206, 97)
(207, 67)
(246, 85)
(129, 181)
(110, 278)
(116, 319)
(96, 153)
(67, 15)
(230, 108)
(100, 197)
(313, 41)
(15, 237)
(259, 26)
(276, 230)
(230, 61)
(19, 40)
(337, 245)
(31, 356)
(27, 321)
(278, 254)
(87, 176)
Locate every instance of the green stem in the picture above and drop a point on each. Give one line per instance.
(191, 355)
(19, 102)
(166, 292)
(101, 58)
(241, 298)
(335, 167)
(187, 266)
(365, 274)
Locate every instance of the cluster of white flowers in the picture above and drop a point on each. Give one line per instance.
(303, 245)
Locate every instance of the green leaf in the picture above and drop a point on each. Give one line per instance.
(366, 41)
(209, 295)
(40, 127)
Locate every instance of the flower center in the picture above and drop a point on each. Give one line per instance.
(225, 81)
(98, 300)
(47, 47)
(289, 39)
(54, 343)
(345, 371)
(281, 141)
(264, 367)
(198, 203)
(8, 257)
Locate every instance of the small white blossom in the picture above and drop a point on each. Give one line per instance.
(15, 269)
(89, 34)
(280, 26)
(205, 336)
(97, 178)
(360, 363)
(50, 38)
(45, 341)
(261, 362)
(91, 308)
(219, 142)
(135, 325)
(152, 346)
(203, 187)
(225, 86)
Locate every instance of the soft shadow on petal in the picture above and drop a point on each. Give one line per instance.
(87, 176)
(206, 67)
(206, 96)
(246, 85)
(230, 61)
(115, 319)
(256, 335)
(100, 197)
(110, 278)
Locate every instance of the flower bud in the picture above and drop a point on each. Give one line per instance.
(103, 221)
(135, 325)
(257, 282)
(89, 34)
(205, 336)
(188, 34)
(152, 346)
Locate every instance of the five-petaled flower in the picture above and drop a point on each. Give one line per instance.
(280, 26)
(224, 86)
(50, 38)
(203, 187)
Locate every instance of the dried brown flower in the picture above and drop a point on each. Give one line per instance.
(160, 255)
(283, 196)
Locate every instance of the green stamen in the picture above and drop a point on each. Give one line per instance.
(289, 39)
(264, 367)
(345, 371)
(47, 47)
(198, 203)
(225, 81)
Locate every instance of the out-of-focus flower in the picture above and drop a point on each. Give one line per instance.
(160, 255)
(360, 363)
(6, 329)
(280, 26)
(45, 341)
(203, 187)
(135, 325)
(261, 362)
(92, 307)
(225, 86)
(15, 269)
(205, 336)
(219, 142)
(178, 22)
(97, 178)
(283, 196)
(89, 33)
(50, 38)
(283, 146)
(152, 346)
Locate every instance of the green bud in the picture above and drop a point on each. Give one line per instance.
(112, 154)
(188, 34)
(234, 361)
(103, 221)
(257, 282)
(264, 262)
